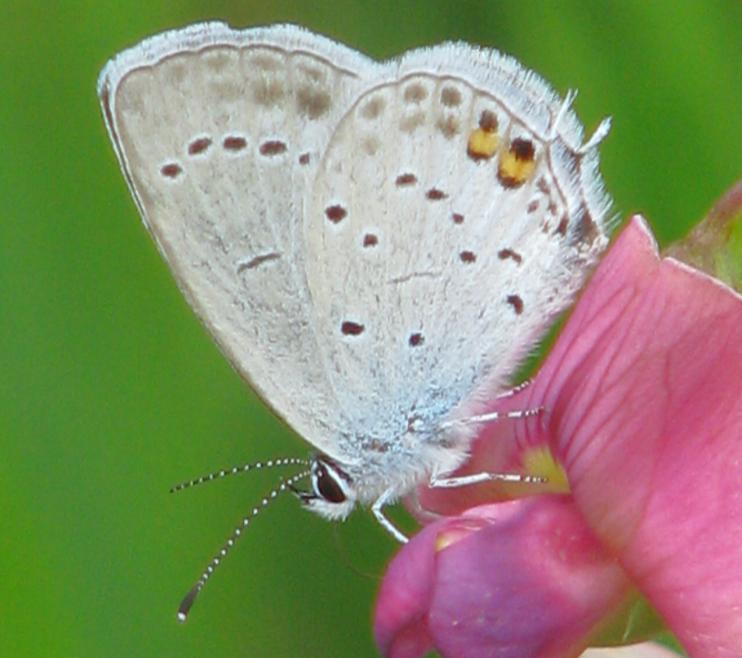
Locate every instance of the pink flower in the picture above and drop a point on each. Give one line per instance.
(643, 422)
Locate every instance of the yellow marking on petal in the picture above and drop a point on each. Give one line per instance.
(482, 144)
(540, 461)
(454, 534)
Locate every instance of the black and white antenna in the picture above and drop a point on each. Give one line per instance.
(236, 470)
(287, 485)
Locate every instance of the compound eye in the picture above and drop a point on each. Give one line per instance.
(328, 486)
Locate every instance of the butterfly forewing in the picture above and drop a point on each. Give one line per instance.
(220, 134)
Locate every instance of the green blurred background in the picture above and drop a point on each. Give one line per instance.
(111, 391)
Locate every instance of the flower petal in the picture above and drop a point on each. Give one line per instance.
(523, 578)
(400, 622)
(645, 413)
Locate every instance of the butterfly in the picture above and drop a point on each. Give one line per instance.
(374, 246)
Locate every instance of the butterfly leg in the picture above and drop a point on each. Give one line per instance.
(493, 416)
(478, 478)
(419, 510)
(516, 389)
(386, 523)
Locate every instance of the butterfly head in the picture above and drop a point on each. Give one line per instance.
(332, 494)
